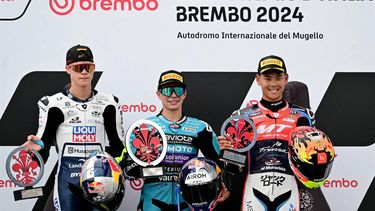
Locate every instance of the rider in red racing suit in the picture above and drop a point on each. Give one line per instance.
(270, 184)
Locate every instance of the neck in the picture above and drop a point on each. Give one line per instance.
(81, 93)
(173, 116)
(273, 106)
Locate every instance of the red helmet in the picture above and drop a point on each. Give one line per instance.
(311, 155)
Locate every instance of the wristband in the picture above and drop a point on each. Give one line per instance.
(40, 143)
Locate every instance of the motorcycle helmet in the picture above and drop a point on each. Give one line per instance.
(200, 183)
(102, 180)
(311, 155)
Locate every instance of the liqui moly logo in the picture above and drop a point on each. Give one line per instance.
(84, 134)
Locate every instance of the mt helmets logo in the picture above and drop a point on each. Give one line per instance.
(65, 7)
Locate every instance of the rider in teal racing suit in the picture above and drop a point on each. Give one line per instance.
(185, 137)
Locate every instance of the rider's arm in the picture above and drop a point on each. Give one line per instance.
(113, 127)
(207, 143)
(50, 118)
(307, 118)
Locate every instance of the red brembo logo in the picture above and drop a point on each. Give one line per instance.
(138, 108)
(60, 8)
(65, 7)
(340, 183)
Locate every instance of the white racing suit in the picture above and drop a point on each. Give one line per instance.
(77, 129)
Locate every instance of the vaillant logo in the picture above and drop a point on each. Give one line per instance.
(65, 7)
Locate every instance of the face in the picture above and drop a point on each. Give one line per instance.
(272, 84)
(81, 73)
(173, 102)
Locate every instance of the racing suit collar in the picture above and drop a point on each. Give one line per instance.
(160, 115)
(282, 110)
(72, 97)
(273, 106)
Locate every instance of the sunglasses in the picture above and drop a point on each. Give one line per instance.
(169, 90)
(80, 67)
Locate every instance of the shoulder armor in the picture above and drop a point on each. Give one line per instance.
(44, 101)
(249, 110)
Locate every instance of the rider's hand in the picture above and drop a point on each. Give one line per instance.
(223, 195)
(225, 142)
(29, 144)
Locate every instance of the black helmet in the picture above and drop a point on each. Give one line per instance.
(200, 183)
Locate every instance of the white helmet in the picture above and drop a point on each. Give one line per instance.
(102, 179)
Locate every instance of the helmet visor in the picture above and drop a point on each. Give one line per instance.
(314, 173)
(199, 196)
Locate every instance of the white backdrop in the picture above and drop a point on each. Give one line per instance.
(132, 46)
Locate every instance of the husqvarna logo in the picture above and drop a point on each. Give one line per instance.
(65, 7)
(84, 134)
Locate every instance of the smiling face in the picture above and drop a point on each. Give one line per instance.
(272, 84)
(172, 103)
(81, 73)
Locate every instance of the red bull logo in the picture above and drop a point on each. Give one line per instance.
(96, 187)
(114, 166)
(84, 134)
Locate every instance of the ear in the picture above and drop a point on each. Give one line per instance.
(257, 78)
(158, 94)
(185, 94)
(286, 78)
(67, 69)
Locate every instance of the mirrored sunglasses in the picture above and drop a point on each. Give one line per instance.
(80, 67)
(169, 90)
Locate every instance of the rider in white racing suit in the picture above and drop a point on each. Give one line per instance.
(77, 128)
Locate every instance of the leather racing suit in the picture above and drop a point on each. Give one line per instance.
(77, 128)
(271, 184)
(184, 139)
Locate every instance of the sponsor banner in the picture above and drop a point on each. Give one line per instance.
(137, 108)
(350, 178)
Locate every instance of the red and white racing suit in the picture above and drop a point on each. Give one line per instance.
(271, 184)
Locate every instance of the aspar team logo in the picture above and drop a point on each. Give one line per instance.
(65, 7)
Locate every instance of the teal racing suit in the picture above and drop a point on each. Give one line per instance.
(184, 139)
